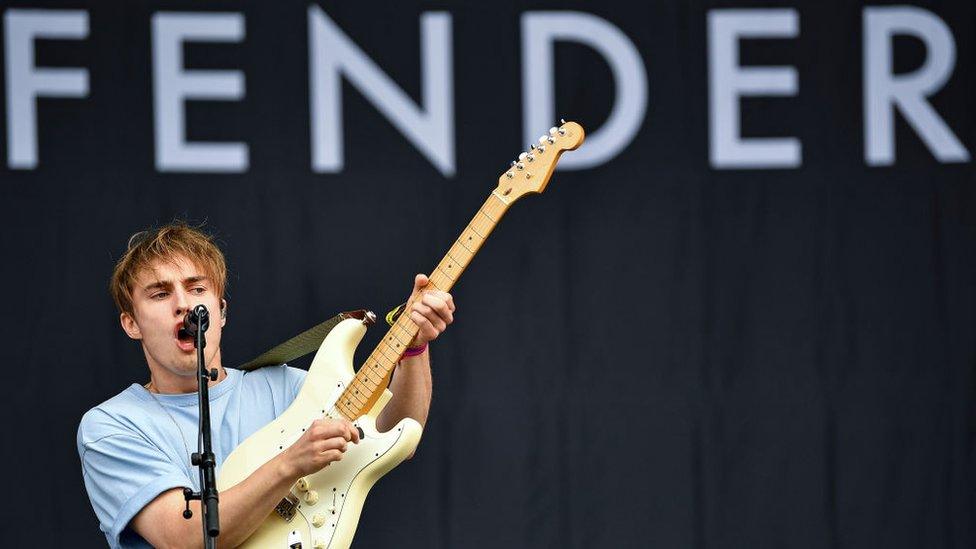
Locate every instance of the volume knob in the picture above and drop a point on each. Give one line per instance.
(319, 544)
(303, 484)
(318, 520)
(311, 497)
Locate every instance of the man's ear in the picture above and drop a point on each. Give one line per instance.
(129, 326)
(223, 312)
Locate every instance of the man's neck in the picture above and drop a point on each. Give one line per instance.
(181, 385)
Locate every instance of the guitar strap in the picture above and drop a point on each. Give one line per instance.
(308, 341)
(300, 345)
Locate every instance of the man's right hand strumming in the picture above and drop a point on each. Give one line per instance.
(323, 442)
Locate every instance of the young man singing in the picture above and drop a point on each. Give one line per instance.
(135, 447)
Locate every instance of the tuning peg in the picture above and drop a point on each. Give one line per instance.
(532, 146)
(523, 155)
(509, 175)
(552, 130)
(561, 121)
(520, 166)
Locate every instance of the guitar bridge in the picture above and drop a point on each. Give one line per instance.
(286, 507)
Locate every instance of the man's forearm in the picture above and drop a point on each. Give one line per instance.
(411, 388)
(243, 508)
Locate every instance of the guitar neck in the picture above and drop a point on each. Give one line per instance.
(368, 384)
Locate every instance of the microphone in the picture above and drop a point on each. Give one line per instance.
(197, 317)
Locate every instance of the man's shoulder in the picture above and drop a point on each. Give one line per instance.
(280, 384)
(112, 417)
(271, 374)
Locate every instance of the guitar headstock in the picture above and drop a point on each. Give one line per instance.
(530, 173)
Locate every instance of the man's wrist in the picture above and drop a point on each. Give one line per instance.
(284, 469)
(414, 351)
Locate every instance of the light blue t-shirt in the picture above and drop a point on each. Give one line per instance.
(133, 447)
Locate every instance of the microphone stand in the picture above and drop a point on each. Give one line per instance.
(196, 323)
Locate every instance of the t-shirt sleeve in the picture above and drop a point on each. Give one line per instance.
(294, 378)
(123, 472)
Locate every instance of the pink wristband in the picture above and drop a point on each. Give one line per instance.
(414, 351)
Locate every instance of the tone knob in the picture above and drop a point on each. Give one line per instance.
(303, 484)
(318, 520)
(319, 544)
(311, 497)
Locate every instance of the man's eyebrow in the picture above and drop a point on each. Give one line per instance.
(159, 285)
(163, 284)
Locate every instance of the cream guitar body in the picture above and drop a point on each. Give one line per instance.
(328, 502)
(323, 509)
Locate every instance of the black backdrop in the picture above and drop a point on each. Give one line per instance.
(652, 353)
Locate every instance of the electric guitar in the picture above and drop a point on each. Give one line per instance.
(322, 510)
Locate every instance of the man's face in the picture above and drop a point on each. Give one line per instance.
(161, 296)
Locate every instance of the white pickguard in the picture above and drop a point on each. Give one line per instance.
(341, 488)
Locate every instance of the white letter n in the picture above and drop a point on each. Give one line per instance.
(332, 55)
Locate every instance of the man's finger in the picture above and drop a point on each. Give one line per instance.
(444, 297)
(431, 328)
(420, 281)
(433, 305)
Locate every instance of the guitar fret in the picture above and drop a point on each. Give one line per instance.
(344, 410)
(404, 332)
(379, 369)
(366, 381)
(391, 336)
(388, 352)
(360, 393)
(460, 253)
(442, 271)
(471, 234)
(474, 230)
(384, 365)
(482, 212)
(463, 245)
(353, 396)
(454, 265)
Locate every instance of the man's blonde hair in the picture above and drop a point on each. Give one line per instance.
(168, 243)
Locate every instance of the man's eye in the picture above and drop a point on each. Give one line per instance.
(159, 295)
(198, 289)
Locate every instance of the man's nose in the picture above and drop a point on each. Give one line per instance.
(182, 303)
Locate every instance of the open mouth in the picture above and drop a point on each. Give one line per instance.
(183, 338)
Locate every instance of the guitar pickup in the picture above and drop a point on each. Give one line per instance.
(286, 507)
